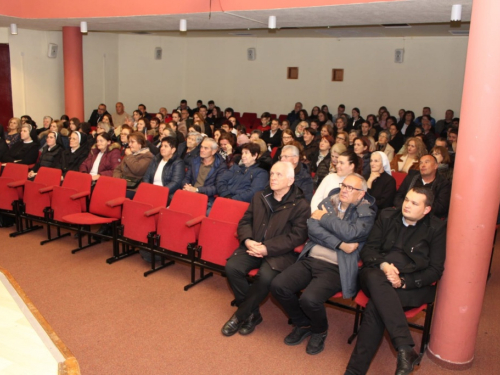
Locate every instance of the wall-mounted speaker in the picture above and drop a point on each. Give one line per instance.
(158, 53)
(52, 51)
(251, 54)
(399, 55)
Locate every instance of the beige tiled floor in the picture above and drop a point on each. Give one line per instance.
(25, 348)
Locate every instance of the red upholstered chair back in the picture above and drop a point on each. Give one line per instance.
(107, 189)
(78, 182)
(194, 204)
(11, 173)
(152, 194)
(228, 210)
(34, 201)
(399, 177)
(15, 172)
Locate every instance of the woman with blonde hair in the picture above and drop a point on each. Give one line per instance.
(13, 134)
(414, 149)
(264, 159)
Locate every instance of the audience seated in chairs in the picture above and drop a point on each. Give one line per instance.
(167, 168)
(410, 157)
(24, 151)
(227, 149)
(241, 182)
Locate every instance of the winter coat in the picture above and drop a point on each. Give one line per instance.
(109, 161)
(241, 183)
(172, 175)
(49, 158)
(209, 186)
(304, 181)
(134, 165)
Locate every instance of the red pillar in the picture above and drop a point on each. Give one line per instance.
(475, 197)
(73, 72)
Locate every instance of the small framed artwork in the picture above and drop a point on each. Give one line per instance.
(292, 73)
(337, 75)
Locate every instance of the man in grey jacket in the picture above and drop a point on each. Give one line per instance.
(328, 263)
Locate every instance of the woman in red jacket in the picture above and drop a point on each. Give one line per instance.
(103, 158)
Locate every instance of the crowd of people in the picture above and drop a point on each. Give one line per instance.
(318, 177)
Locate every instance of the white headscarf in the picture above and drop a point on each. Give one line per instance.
(385, 162)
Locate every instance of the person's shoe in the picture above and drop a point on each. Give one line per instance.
(250, 323)
(316, 343)
(298, 335)
(232, 326)
(407, 359)
(104, 229)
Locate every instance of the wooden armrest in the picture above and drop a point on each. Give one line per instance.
(116, 202)
(153, 211)
(46, 189)
(16, 184)
(80, 195)
(193, 222)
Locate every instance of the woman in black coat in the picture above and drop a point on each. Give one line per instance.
(26, 150)
(51, 153)
(78, 151)
(381, 185)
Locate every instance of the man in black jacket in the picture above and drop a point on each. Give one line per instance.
(97, 114)
(273, 225)
(402, 259)
(429, 178)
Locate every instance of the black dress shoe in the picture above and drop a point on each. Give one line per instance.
(316, 343)
(298, 335)
(250, 323)
(232, 326)
(407, 359)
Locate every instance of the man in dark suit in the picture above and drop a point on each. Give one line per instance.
(402, 259)
(97, 114)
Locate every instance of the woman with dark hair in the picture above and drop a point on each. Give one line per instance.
(382, 122)
(217, 117)
(74, 124)
(72, 158)
(228, 112)
(13, 132)
(327, 130)
(167, 168)
(285, 124)
(103, 158)
(314, 113)
(356, 120)
(241, 182)
(218, 133)
(407, 127)
(341, 125)
(227, 146)
(326, 111)
(348, 162)
(136, 115)
(303, 116)
(366, 130)
(143, 126)
(51, 153)
(397, 139)
(444, 161)
(381, 184)
(380, 111)
(134, 165)
(372, 119)
(323, 120)
(108, 119)
(26, 150)
(362, 149)
(287, 138)
(320, 161)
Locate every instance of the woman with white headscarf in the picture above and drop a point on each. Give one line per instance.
(78, 151)
(381, 184)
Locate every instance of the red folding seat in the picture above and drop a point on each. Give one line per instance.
(36, 199)
(178, 228)
(101, 211)
(139, 218)
(11, 188)
(282, 117)
(399, 177)
(70, 198)
(217, 239)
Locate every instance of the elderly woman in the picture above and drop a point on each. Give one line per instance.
(299, 130)
(362, 149)
(383, 144)
(72, 158)
(167, 168)
(414, 149)
(320, 162)
(264, 159)
(13, 132)
(51, 153)
(134, 165)
(123, 140)
(103, 158)
(241, 182)
(26, 150)
(192, 147)
(381, 184)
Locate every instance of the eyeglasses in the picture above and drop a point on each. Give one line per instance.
(342, 139)
(286, 156)
(125, 134)
(348, 187)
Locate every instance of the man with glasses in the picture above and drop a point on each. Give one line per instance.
(328, 263)
(97, 114)
(303, 179)
(402, 260)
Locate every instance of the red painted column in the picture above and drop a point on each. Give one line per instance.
(73, 72)
(475, 197)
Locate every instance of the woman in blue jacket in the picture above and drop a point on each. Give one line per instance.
(241, 182)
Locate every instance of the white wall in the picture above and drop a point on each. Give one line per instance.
(4, 35)
(100, 71)
(37, 80)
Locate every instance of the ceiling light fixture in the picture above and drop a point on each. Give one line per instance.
(183, 25)
(83, 27)
(272, 22)
(13, 29)
(456, 12)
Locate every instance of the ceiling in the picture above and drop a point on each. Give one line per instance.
(425, 18)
